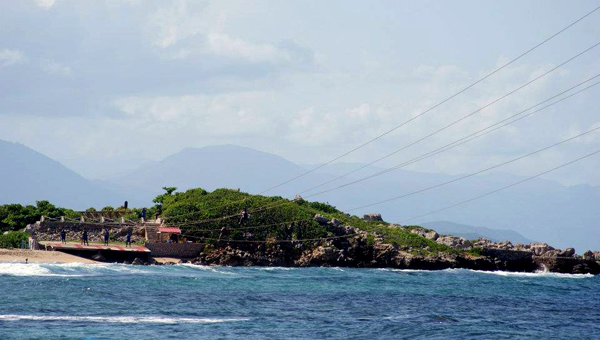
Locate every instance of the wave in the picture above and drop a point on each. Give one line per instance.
(64, 269)
(116, 319)
(214, 269)
(405, 270)
(274, 268)
(524, 274)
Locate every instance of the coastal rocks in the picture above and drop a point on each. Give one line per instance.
(540, 249)
(589, 255)
(522, 247)
(569, 265)
(372, 217)
(569, 252)
(506, 245)
(453, 241)
(335, 222)
(318, 257)
(431, 234)
(321, 219)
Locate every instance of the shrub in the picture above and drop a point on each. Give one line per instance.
(13, 239)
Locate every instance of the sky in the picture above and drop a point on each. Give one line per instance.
(107, 86)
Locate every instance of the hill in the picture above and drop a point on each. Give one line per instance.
(472, 233)
(27, 176)
(539, 209)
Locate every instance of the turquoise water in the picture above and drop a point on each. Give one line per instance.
(78, 301)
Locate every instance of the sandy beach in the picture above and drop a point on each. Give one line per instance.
(39, 256)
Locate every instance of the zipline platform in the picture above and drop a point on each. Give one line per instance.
(53, 245)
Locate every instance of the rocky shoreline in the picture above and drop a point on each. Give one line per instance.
(365, 249)
(361, 253)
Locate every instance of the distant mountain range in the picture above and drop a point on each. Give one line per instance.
(27, 175)
(473, 233)
(539, 209)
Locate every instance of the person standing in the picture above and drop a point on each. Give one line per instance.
(128, 239)
(243, 216)
(106, 236)
(63, 236)
(84, 238)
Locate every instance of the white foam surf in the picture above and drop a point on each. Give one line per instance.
(63, 269)
(540, 274)
(117, 319)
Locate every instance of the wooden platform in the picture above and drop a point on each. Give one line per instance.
(92, 247)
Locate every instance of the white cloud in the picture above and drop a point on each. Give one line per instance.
(54, 68)
(175, 22)
(45, 4)
(223, 45)
(215, 115)
(11, 57)
(183, 29)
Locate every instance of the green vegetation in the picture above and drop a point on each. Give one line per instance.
(200, 213)
(16, 216)
(13, 239)
(197, 204)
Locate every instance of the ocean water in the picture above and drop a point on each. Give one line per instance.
(113, 301)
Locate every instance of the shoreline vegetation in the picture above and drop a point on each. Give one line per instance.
(292, 233)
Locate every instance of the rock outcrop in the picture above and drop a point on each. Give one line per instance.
(454, 242)
(372, 217)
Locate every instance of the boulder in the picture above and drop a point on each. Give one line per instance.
(321, 219)
(335, 222)
(588, 255)
(137, 262)
(453, 241)
(506, 245)
(482, 243)
(432, 235)
(569, 252)
(540, 249)
(98, 257)
(522, 247)
(372, 217)
(552, 253)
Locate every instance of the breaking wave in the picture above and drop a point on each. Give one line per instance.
(524, 274)
(64, 269)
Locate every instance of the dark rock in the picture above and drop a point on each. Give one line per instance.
(321, 219)
(372, 217)
(137, 262)
(98, 257)
(569, 252)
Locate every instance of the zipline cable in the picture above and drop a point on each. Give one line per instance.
(477, 172)
(444, 148)
(451, 124)
(431, 108)
(466, 139)
(503, 188)
(422, 113)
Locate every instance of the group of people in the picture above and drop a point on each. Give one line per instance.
(85, 238)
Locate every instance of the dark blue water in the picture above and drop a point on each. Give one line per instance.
(76, 301)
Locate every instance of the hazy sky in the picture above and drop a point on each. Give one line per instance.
(104, 86)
